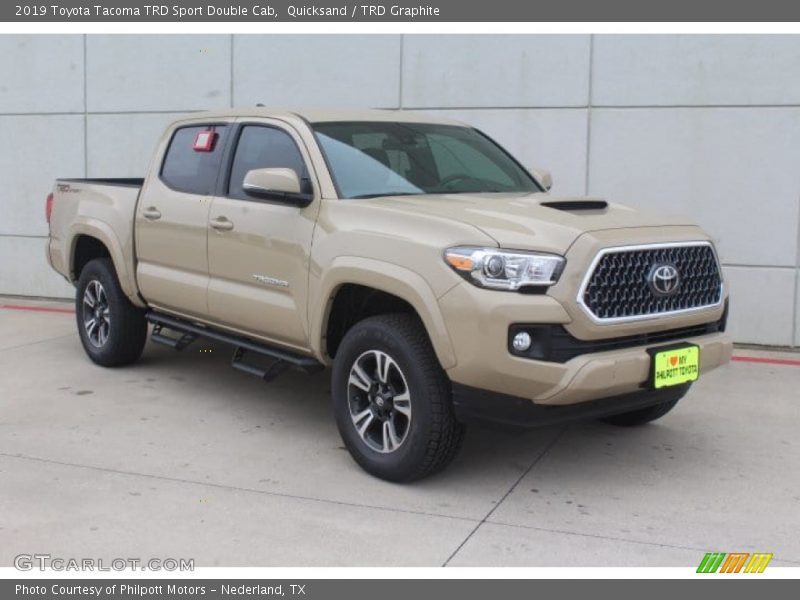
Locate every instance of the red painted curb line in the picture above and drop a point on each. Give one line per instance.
(67, 311)
(767, 361)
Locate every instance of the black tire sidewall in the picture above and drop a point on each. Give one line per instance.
(128, 328)
(403, 462)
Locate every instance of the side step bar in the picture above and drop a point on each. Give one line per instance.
(176, 343)
(189, 332)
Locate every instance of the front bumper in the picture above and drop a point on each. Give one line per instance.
(478, 323)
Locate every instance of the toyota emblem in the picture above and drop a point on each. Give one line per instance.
(664, 279)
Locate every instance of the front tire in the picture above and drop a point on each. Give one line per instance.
(112, 330)
(392, 400)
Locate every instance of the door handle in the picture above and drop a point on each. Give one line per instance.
(221, 224)
(151, 213)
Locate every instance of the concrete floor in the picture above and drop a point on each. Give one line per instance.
(181, 456)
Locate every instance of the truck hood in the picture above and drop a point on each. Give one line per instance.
(529, 221)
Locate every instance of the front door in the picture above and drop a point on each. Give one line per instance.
(258, 250)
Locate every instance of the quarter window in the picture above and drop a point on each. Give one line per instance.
(191, 171)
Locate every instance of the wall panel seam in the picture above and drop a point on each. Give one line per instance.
(796, 306)
(230, 66)
(419, 106)
(85, 107)
(103, 113)
(688, 106)
(401, 66)
(796, 312)
(589, 114)
(514, 107)
(753, 266)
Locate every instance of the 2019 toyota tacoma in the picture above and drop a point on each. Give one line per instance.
(436, 276)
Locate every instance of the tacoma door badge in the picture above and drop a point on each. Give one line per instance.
(266, 280)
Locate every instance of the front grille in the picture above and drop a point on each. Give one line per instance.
(619, 286)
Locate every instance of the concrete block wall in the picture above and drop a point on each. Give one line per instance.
(707, 126)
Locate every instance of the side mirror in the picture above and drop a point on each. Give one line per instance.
(544, 177)
(280, 185)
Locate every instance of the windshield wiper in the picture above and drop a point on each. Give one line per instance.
(491, 191)
(365, 196)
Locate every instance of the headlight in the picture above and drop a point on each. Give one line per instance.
(503, 269)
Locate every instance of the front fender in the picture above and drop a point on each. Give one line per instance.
(389, 278)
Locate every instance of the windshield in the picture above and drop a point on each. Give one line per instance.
(370, 159)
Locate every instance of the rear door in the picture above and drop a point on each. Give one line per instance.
(258, 250)
(172, 219)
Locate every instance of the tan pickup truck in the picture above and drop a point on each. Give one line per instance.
(435, 276)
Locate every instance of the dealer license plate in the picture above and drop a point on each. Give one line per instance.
(675, 366)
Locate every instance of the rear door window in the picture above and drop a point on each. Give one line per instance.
(189, 170)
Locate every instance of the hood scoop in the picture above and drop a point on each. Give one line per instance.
(576, 205)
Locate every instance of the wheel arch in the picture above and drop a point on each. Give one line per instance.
(395, 287)
(96, 239)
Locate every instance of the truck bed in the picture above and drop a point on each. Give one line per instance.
(101, 208)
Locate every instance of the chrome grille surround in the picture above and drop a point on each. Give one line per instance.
(615, 287)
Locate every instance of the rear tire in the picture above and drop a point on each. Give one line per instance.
(112, 330)
(392, 400)
(650, 413)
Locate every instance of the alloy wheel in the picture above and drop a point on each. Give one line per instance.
(380, 401)
(96, 314)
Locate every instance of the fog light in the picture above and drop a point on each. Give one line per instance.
(522, 341)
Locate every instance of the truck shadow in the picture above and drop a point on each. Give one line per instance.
(301, 402)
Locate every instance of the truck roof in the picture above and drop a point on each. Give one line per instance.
(320, 115)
